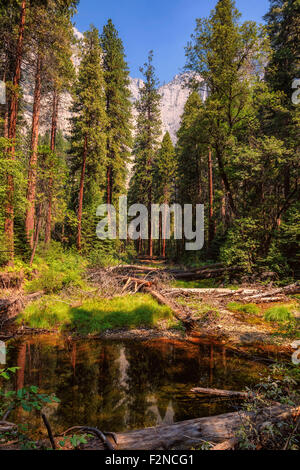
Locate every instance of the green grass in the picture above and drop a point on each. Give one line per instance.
(280, 313)
(251, 309)
(202, 284)
(96, 315)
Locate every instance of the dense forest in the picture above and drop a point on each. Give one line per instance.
(237, 152)
(76, 308)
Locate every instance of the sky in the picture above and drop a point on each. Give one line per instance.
(164, 26)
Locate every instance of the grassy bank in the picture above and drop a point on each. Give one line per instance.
(98, 314)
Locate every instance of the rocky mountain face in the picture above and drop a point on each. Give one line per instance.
(173, 98)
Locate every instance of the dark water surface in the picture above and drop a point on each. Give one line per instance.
(122, 385)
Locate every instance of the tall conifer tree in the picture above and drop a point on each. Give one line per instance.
(118, 110)
(148, 131)
(89, 147)
(164, 179)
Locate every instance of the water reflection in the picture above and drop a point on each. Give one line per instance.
(121, 385)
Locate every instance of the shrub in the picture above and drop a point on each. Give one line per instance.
(58, 269)
(241, 246)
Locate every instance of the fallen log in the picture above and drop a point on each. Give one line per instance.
(161, 299)
(204, 274)
(10, 309)
(220, 393)
(198, 291)
(264, 300)
(274, 293)
(5, 426)
(133, 267)
(187, 434)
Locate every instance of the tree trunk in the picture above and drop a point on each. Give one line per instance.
(81, 189)
(50, 186)
(211, 224)
(150, 242)
(109, 185)
(226, 182)
(32, 174)
(9, 222)
(164, 233)
(36, 236)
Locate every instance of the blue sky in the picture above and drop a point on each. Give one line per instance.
(162, 25)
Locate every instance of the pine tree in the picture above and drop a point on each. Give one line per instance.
(44, 44)
(61, 72)
(191, 152)
(148, 130)
(88, 141)
(164, 176)
(118, 110)
(12, 130)
(283, 22)
(224, 52)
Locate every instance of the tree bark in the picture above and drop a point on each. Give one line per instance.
(9, 221)
(164, 231)
(81, 189)
(36, 237)
(50, 186)
(32, 173)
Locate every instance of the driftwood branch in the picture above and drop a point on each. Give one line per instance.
(49, 431)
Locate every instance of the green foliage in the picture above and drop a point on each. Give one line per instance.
(241, 248)
(251, 309)
(278, 386)
(5, 373)
(164, 171)
(57, 269)
(28, 398)
(88, 137)
(191, 153)
(148, 130)
(96, 315)
(75, 440)
(281, 313)
(118, 111)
